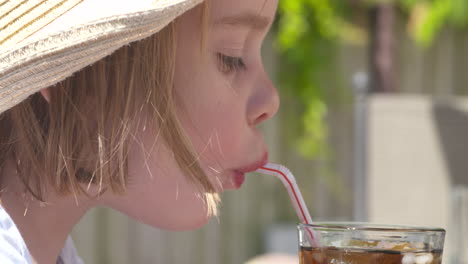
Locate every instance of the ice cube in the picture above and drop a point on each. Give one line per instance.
(417, 245)
(425, 258)
(404, 246)
(409, 258)
(397, 246)
(362, 243)
(336, 261)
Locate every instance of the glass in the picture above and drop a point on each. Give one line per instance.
(359, 243)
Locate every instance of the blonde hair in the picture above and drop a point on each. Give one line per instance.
(56, 144)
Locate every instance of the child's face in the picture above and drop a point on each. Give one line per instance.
(223, 94)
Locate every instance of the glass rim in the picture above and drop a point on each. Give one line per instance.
(368, 226)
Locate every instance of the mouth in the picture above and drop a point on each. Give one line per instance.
(238, 179)
(238, 176)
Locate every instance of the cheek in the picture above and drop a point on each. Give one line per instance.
(224, 136)
(212, 110)
(213, 117)
(158, 193)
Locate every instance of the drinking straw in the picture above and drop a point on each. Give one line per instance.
(289, 182)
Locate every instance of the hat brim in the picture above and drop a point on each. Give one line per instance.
(68, 45)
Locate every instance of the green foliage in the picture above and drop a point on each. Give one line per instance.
(460, 13)
(308, 34)
(428, 18)
(312, 142)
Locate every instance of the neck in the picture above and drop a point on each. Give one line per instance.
(43, 226)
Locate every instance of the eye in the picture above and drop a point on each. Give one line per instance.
(228, 64)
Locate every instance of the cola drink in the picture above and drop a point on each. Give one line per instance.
(364, 243)
(333, 255)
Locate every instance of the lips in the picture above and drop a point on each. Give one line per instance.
(238, 175)
(238, 179)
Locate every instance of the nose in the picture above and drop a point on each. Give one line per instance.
(264, 102)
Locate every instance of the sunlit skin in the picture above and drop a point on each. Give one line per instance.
(223, 95)
(220, 111)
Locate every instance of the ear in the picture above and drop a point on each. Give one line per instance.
(46, 94)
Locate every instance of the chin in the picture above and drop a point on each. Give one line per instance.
(180, 225)
(190, 224)
(182, 220)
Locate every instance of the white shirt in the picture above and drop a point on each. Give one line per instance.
(13, 249)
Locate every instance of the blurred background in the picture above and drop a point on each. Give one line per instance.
(373, 123)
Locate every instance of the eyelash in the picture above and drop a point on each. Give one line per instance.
(228, 64)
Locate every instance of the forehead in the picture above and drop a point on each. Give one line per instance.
(231, 8)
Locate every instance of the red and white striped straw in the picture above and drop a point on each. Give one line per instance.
(289, 182)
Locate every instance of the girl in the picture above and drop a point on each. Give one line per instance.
(161, 122)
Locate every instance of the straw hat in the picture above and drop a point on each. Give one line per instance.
(45, 41)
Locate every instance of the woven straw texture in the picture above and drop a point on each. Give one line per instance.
(29, 64)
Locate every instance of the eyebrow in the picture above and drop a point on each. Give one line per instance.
(254, 21)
